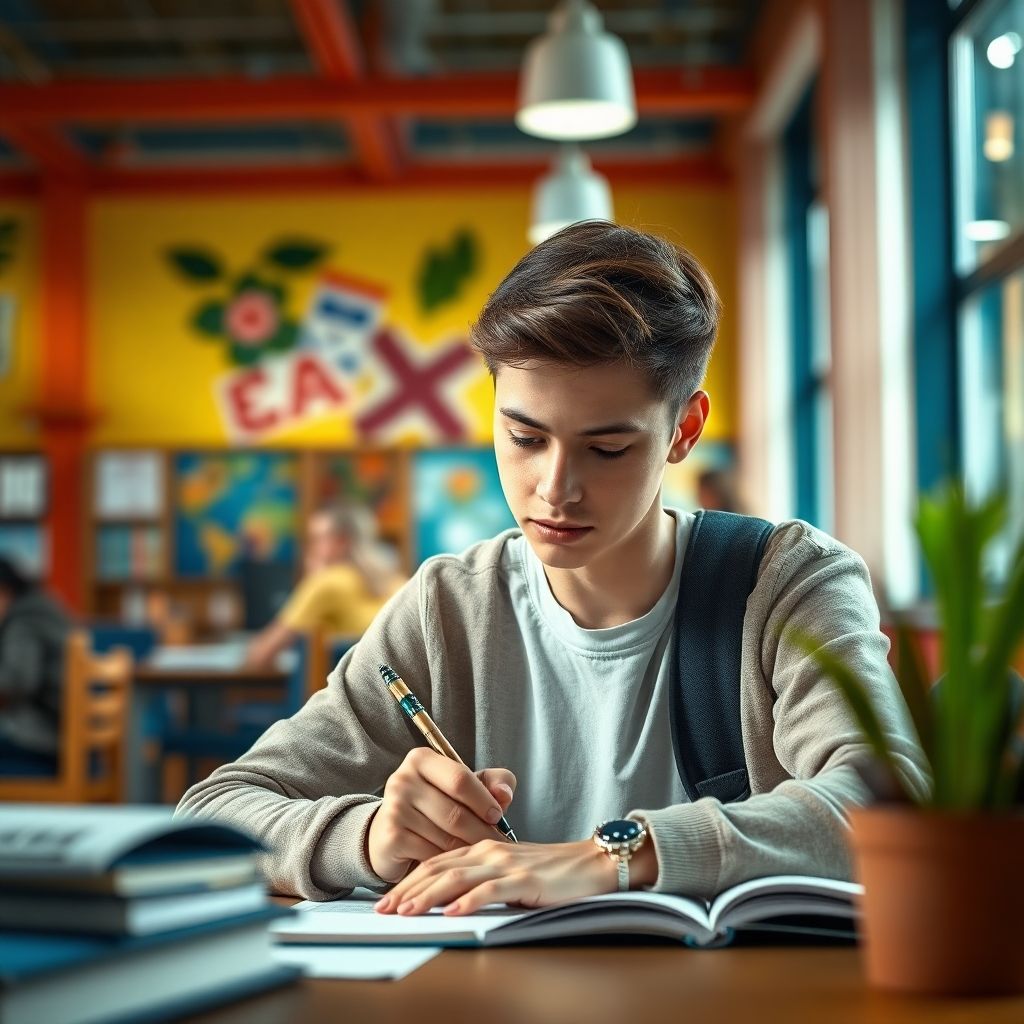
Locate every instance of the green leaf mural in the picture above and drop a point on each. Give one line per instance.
(209, 319)
(196, 264)
(444, 271)
(295, 253)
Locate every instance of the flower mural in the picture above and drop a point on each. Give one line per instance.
(250, 315)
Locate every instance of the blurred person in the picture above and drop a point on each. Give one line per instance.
(349, 574)
(717, 491)
(34, 630)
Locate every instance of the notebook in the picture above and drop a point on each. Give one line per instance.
(783, 902)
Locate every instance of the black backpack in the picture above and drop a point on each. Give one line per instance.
(719, 572)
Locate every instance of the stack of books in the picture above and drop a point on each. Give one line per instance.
(121, 913)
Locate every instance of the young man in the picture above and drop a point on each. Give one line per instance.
(545, 652)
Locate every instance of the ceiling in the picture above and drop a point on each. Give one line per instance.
(380, 89)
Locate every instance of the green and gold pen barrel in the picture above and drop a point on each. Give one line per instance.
(417, 714)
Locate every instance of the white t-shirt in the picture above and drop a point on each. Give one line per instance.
(595, 728)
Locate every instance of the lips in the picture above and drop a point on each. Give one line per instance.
(560, 526)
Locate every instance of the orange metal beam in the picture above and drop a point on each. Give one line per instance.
(682, 92)
(333, 43)
(46, 146)
(206, 181)
(63, 406)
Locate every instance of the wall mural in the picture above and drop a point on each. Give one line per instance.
(341, 357)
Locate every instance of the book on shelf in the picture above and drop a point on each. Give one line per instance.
(784, 903)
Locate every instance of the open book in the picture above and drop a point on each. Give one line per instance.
(129, 851)
(797, 902)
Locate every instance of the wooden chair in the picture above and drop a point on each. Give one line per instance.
(93, 730)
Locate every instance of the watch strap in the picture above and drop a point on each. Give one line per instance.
(623, 869)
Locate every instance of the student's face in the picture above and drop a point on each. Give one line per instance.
(324, 545)
(585, 448)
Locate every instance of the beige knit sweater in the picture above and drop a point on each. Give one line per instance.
(309, 787)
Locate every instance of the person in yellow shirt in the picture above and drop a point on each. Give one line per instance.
(349, 574)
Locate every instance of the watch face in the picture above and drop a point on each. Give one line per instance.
(619, 831)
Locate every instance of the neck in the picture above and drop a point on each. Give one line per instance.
(624, 583)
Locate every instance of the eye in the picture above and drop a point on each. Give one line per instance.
(610, 453)
(523, 442)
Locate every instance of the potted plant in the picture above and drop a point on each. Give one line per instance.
(943, 907)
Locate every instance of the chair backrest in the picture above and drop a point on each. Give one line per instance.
(323, 652)
(93, 730)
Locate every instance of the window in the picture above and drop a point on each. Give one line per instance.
(987, 69)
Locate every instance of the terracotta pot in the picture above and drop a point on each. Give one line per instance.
(943, 906)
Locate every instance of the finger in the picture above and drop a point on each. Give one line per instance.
(442, 889)
(509, 889)
(453, 818)
(424, 874)
(500, 782)
(458, 783)
(413, 819)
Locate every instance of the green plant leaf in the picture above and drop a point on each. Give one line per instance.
(444, 270)
(915, 686)
(295, 254)
(196, 264)
(856, 699)
(8, 231)
(209, 319)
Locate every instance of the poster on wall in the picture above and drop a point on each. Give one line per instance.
(457, 499)
(22, 487)
(129, 484)
(234, 508)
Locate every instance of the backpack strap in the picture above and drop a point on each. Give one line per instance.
(719, 572)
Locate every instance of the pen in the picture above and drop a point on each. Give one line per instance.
(415, 711)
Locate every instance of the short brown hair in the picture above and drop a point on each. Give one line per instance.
(597, 292)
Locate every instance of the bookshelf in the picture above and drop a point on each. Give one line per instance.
(24, 503)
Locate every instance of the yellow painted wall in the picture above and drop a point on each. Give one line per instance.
(20, 279)
(153, 377)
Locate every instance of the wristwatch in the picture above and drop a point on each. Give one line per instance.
(620, 838)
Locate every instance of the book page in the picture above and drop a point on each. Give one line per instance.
(761, 898)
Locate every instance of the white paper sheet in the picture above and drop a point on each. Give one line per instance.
(356, 963)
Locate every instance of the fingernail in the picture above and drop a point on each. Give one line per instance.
(405, 907)
(382, 904)
(452, 908)
(493, 815)
(508, 789)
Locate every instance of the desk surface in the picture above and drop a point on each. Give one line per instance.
(599, 984)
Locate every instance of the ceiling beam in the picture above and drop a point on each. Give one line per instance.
(695, 92)
(433, 176)
(333, 44)
(52, 152)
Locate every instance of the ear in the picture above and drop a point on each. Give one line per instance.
(692, 418)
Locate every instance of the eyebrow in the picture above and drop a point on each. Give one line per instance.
(624, 427)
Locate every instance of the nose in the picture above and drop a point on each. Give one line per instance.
(559, 482)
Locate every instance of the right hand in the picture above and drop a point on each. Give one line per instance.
(431, 805)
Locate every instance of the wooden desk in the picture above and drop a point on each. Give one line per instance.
(651, 984)
(202, 688)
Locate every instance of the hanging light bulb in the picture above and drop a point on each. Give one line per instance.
(576, 81)
(998, 144)
(572, 192)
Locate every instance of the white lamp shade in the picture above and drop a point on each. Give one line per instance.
(576, 81)
(571, 193)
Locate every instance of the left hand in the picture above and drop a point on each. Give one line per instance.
(493, 871)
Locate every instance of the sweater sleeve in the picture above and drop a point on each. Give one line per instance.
(21, 662)
(799, 826)
(308, 788)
